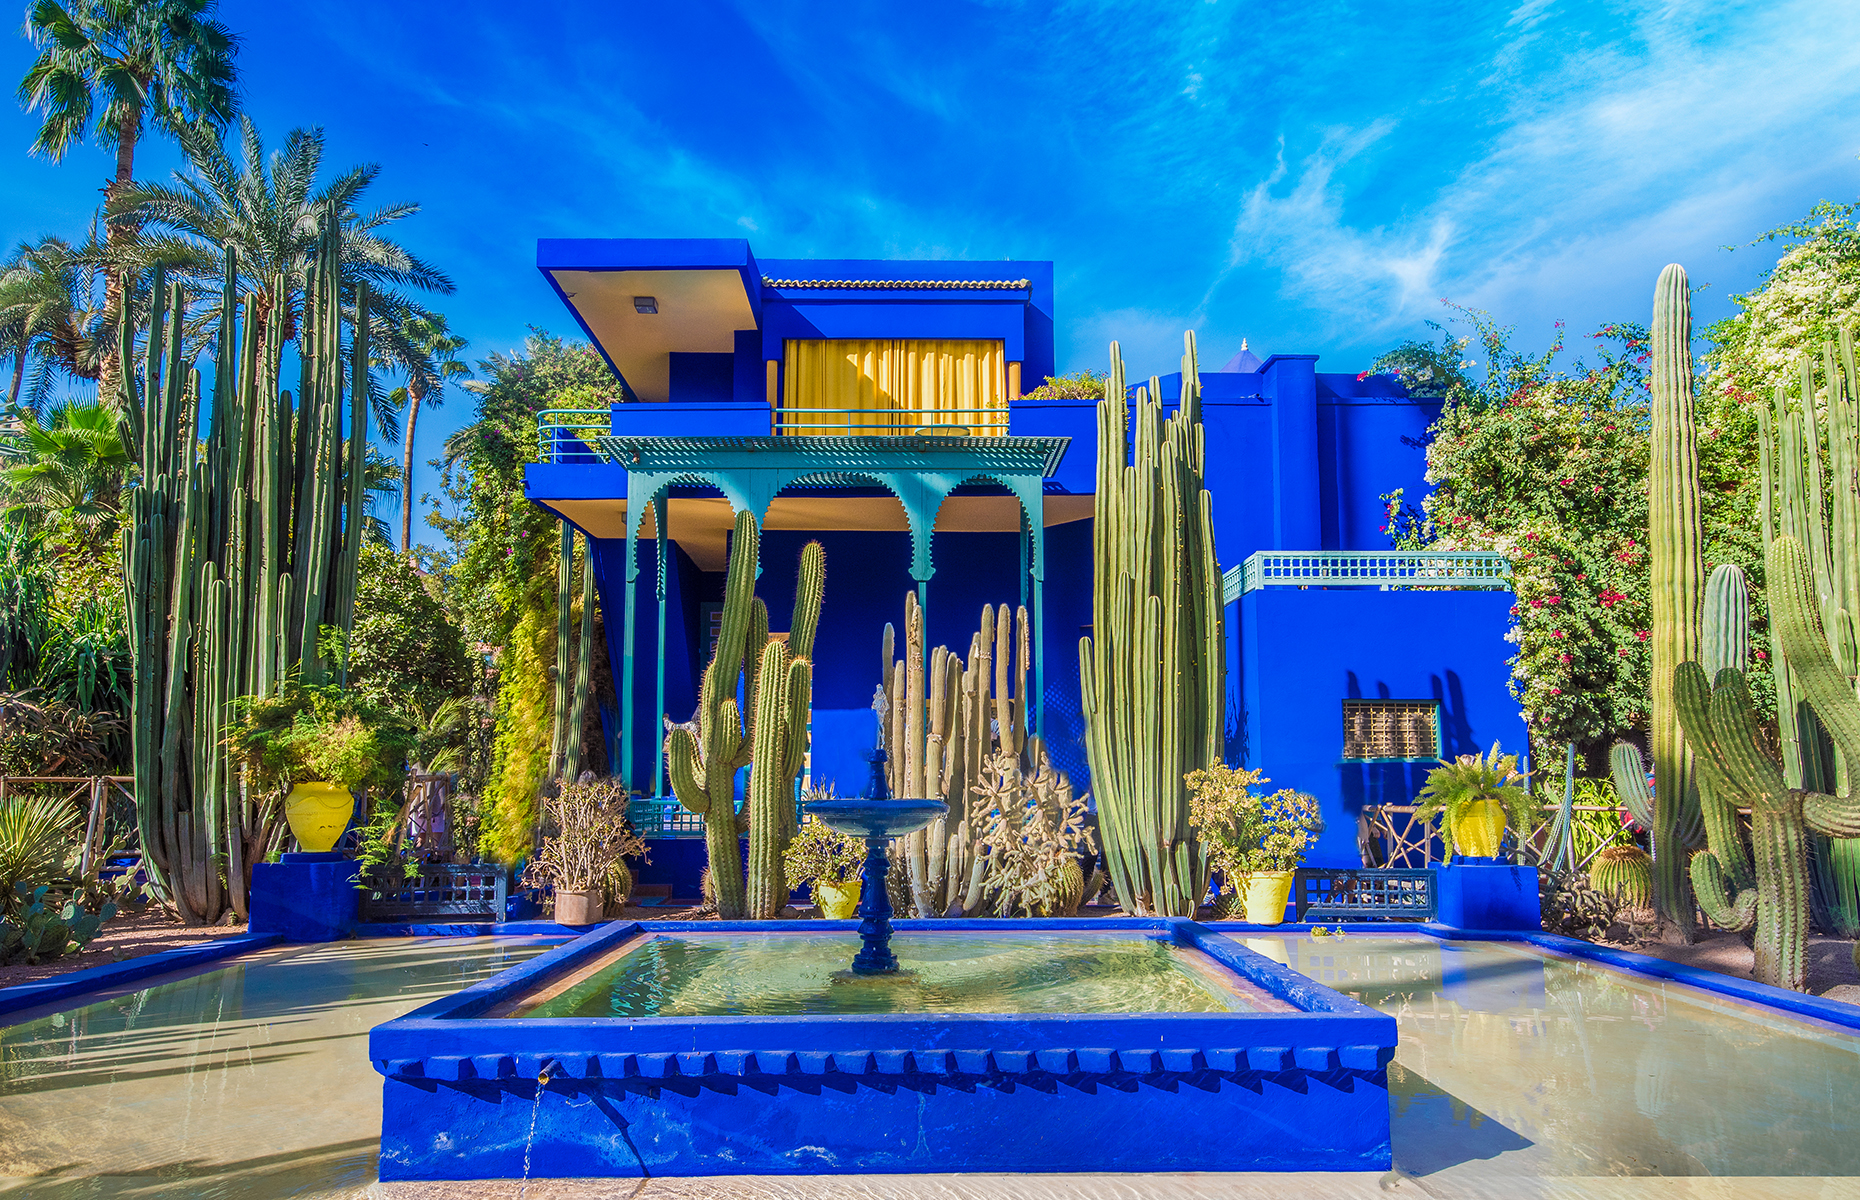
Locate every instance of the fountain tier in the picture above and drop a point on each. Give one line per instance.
(1279, 1074)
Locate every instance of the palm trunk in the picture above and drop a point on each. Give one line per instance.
(19, 374)
(115, 287)
(414, 393)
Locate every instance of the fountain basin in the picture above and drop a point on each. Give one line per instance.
(1242, 1065)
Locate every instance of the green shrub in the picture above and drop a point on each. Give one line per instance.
(37, 835)
(1245, 831)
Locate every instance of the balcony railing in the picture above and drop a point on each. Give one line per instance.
(1387, 569)
(869, 422)
(567, 434)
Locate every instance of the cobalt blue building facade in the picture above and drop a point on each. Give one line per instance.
(876, 406)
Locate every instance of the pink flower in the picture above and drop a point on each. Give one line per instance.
(1556, 633)
(1761, 654)
(1644, 634)
(1556, 691)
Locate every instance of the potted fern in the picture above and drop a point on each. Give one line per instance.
(1476, 798)
(1256, 842)
(320, 744)
(584, 851)
(830, 861)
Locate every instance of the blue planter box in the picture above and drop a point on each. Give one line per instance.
(1303, 1089)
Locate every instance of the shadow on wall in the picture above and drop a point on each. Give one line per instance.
(1398, 782)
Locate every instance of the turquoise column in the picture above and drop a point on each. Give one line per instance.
(659, 505)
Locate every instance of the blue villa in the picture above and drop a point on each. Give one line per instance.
(877, 406)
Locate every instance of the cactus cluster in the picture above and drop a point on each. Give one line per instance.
(955, 729)
(767, 729)
(36, 932)
(1826, 522)
(1152, 674)
(1765, 886)
(241, 553)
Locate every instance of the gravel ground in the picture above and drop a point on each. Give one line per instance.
(125, 936)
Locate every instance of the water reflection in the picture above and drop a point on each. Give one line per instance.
(1598, 1072)
(248, 1081)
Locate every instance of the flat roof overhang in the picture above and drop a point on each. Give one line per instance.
(706, 289)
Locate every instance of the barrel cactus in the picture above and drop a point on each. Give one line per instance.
(1626, 873)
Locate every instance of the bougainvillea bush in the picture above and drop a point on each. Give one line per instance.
(1548, 466)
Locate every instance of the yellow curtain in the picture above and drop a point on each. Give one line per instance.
(893, 386)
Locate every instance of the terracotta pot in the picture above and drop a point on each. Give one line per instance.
(578, 908)
(318, 813)
(1478, 829)
(837, 902)
(1266, 893)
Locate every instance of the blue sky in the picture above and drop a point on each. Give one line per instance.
(1314, 176)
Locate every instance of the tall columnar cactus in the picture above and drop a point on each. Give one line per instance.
(1152, 674)
(703, 757)
(1678, 578)
(240, 548)
(702, 762)
(941, 725)
(1793, 504)
(783, 698)
(1766, 887)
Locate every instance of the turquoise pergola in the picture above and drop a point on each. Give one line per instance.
(920, 470)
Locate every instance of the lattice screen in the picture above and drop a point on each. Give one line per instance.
(1391, 729)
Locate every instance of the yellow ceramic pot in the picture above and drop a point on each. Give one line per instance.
(1266, 893)
(318, 813)
(837, 902)
(1478, 828)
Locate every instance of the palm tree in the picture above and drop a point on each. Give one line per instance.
(436, 359)
(68, 473)
(111, 67)
(269, 209)
(48, 310)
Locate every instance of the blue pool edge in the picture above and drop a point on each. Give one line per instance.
(1834, 1012)
(112, 975)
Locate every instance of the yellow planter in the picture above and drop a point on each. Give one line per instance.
(1266, 893)
(318, 813)
(837, 902)
(1478, 828)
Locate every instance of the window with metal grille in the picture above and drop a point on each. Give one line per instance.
(1401, 729)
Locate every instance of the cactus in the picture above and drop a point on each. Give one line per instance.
(783, 698)
(703, 756)
(1630, 776)
(940, 724)
(1626, 873)
(36, 933)
(1153, 674)
(240, 548)
(1792, 504)
(1766, 888)
(1678, 578)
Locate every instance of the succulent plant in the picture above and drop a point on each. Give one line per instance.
(703, 757)
(1678, 581)
(1765, 886)
(1624, 872)
(240, 552)
(1152, 676)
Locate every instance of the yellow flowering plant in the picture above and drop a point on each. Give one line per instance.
(1245, 831)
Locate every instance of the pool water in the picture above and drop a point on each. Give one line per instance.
(1578, 1070)
(805, 975)
(1519, 1074)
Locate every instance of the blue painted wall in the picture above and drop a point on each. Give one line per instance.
(1298, 654)
(1297, 460)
